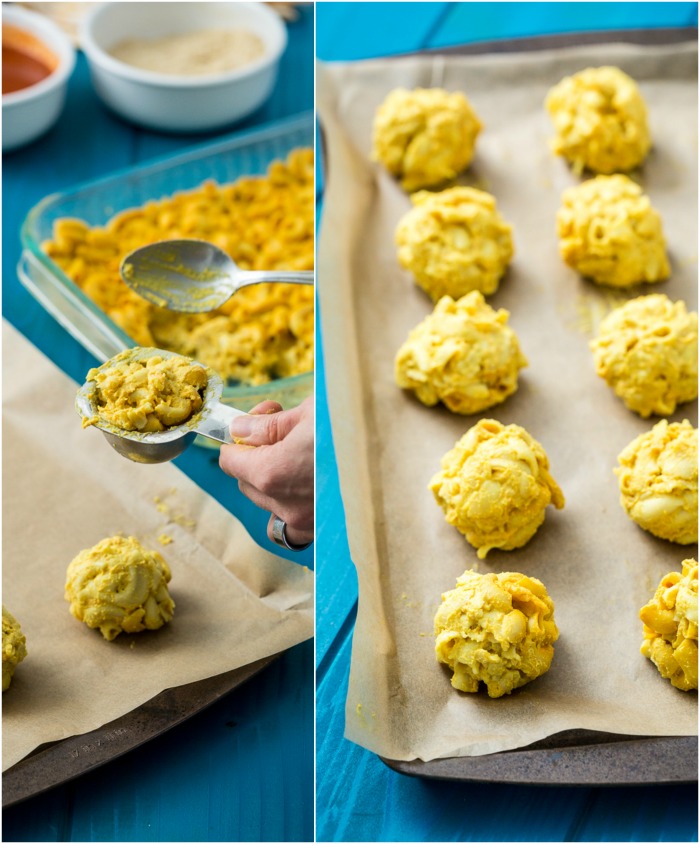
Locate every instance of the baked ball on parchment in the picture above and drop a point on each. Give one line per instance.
(609, 232)
(463, 354)
(600, 120)
(671, 627)
(496, 629)
(495, 485)
(424, 137)
(647, 351)
(118, 586)
(454, 242)
(658, 475)
(14, 647)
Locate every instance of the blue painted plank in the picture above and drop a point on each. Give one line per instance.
(234, 772)
(336, 581)
(468, 22)
(347, 31)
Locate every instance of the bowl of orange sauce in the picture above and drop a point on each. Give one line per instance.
(37, 60)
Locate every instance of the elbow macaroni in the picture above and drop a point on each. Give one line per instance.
(14, 647)
(149, 394)
(496, 629)
(647, 351)
(671, 627)
(495, 486)
(464, 355)
(658, 476)
(264, 331)
(118, 586)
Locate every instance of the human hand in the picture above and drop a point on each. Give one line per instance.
(274, 464)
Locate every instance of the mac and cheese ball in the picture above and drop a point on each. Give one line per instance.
(600, 119)
(148, 394)
(496, 629)
(118, 586)
(495, 485)
(14, 647)
(658, 475)
(424, 137)
(609, 231)
(464, 355)
(454, 242)
(671, 627)
(647, 351)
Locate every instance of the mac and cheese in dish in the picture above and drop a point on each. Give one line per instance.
(264, 331)
(118, 586)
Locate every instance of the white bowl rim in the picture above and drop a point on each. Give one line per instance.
(102, 58)
(55, 40)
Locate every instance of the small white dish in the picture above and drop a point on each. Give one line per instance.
(180, 103)
(31, 111)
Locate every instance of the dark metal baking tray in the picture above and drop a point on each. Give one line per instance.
(61, 761)
(573, 757)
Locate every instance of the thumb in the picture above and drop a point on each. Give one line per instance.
(266, 429)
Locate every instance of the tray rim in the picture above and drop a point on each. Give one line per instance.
(28, 777)
(457, 768)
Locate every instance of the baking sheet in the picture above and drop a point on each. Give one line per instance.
(60, 761)
(599, 567)
(64, 490)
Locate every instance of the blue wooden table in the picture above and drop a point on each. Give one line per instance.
(243, 769)
(358, 797)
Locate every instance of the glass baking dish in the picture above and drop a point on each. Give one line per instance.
(98, 201)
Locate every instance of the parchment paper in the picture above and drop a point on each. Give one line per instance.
(64, 489)
(598, 566)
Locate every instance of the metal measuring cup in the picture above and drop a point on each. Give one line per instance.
(212, 420)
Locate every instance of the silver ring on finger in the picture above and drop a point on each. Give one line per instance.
(279, 534)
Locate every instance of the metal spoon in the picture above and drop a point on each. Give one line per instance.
(212, 421)
(193, 276)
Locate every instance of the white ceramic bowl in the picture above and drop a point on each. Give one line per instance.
(28, 113)
(180, 103)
